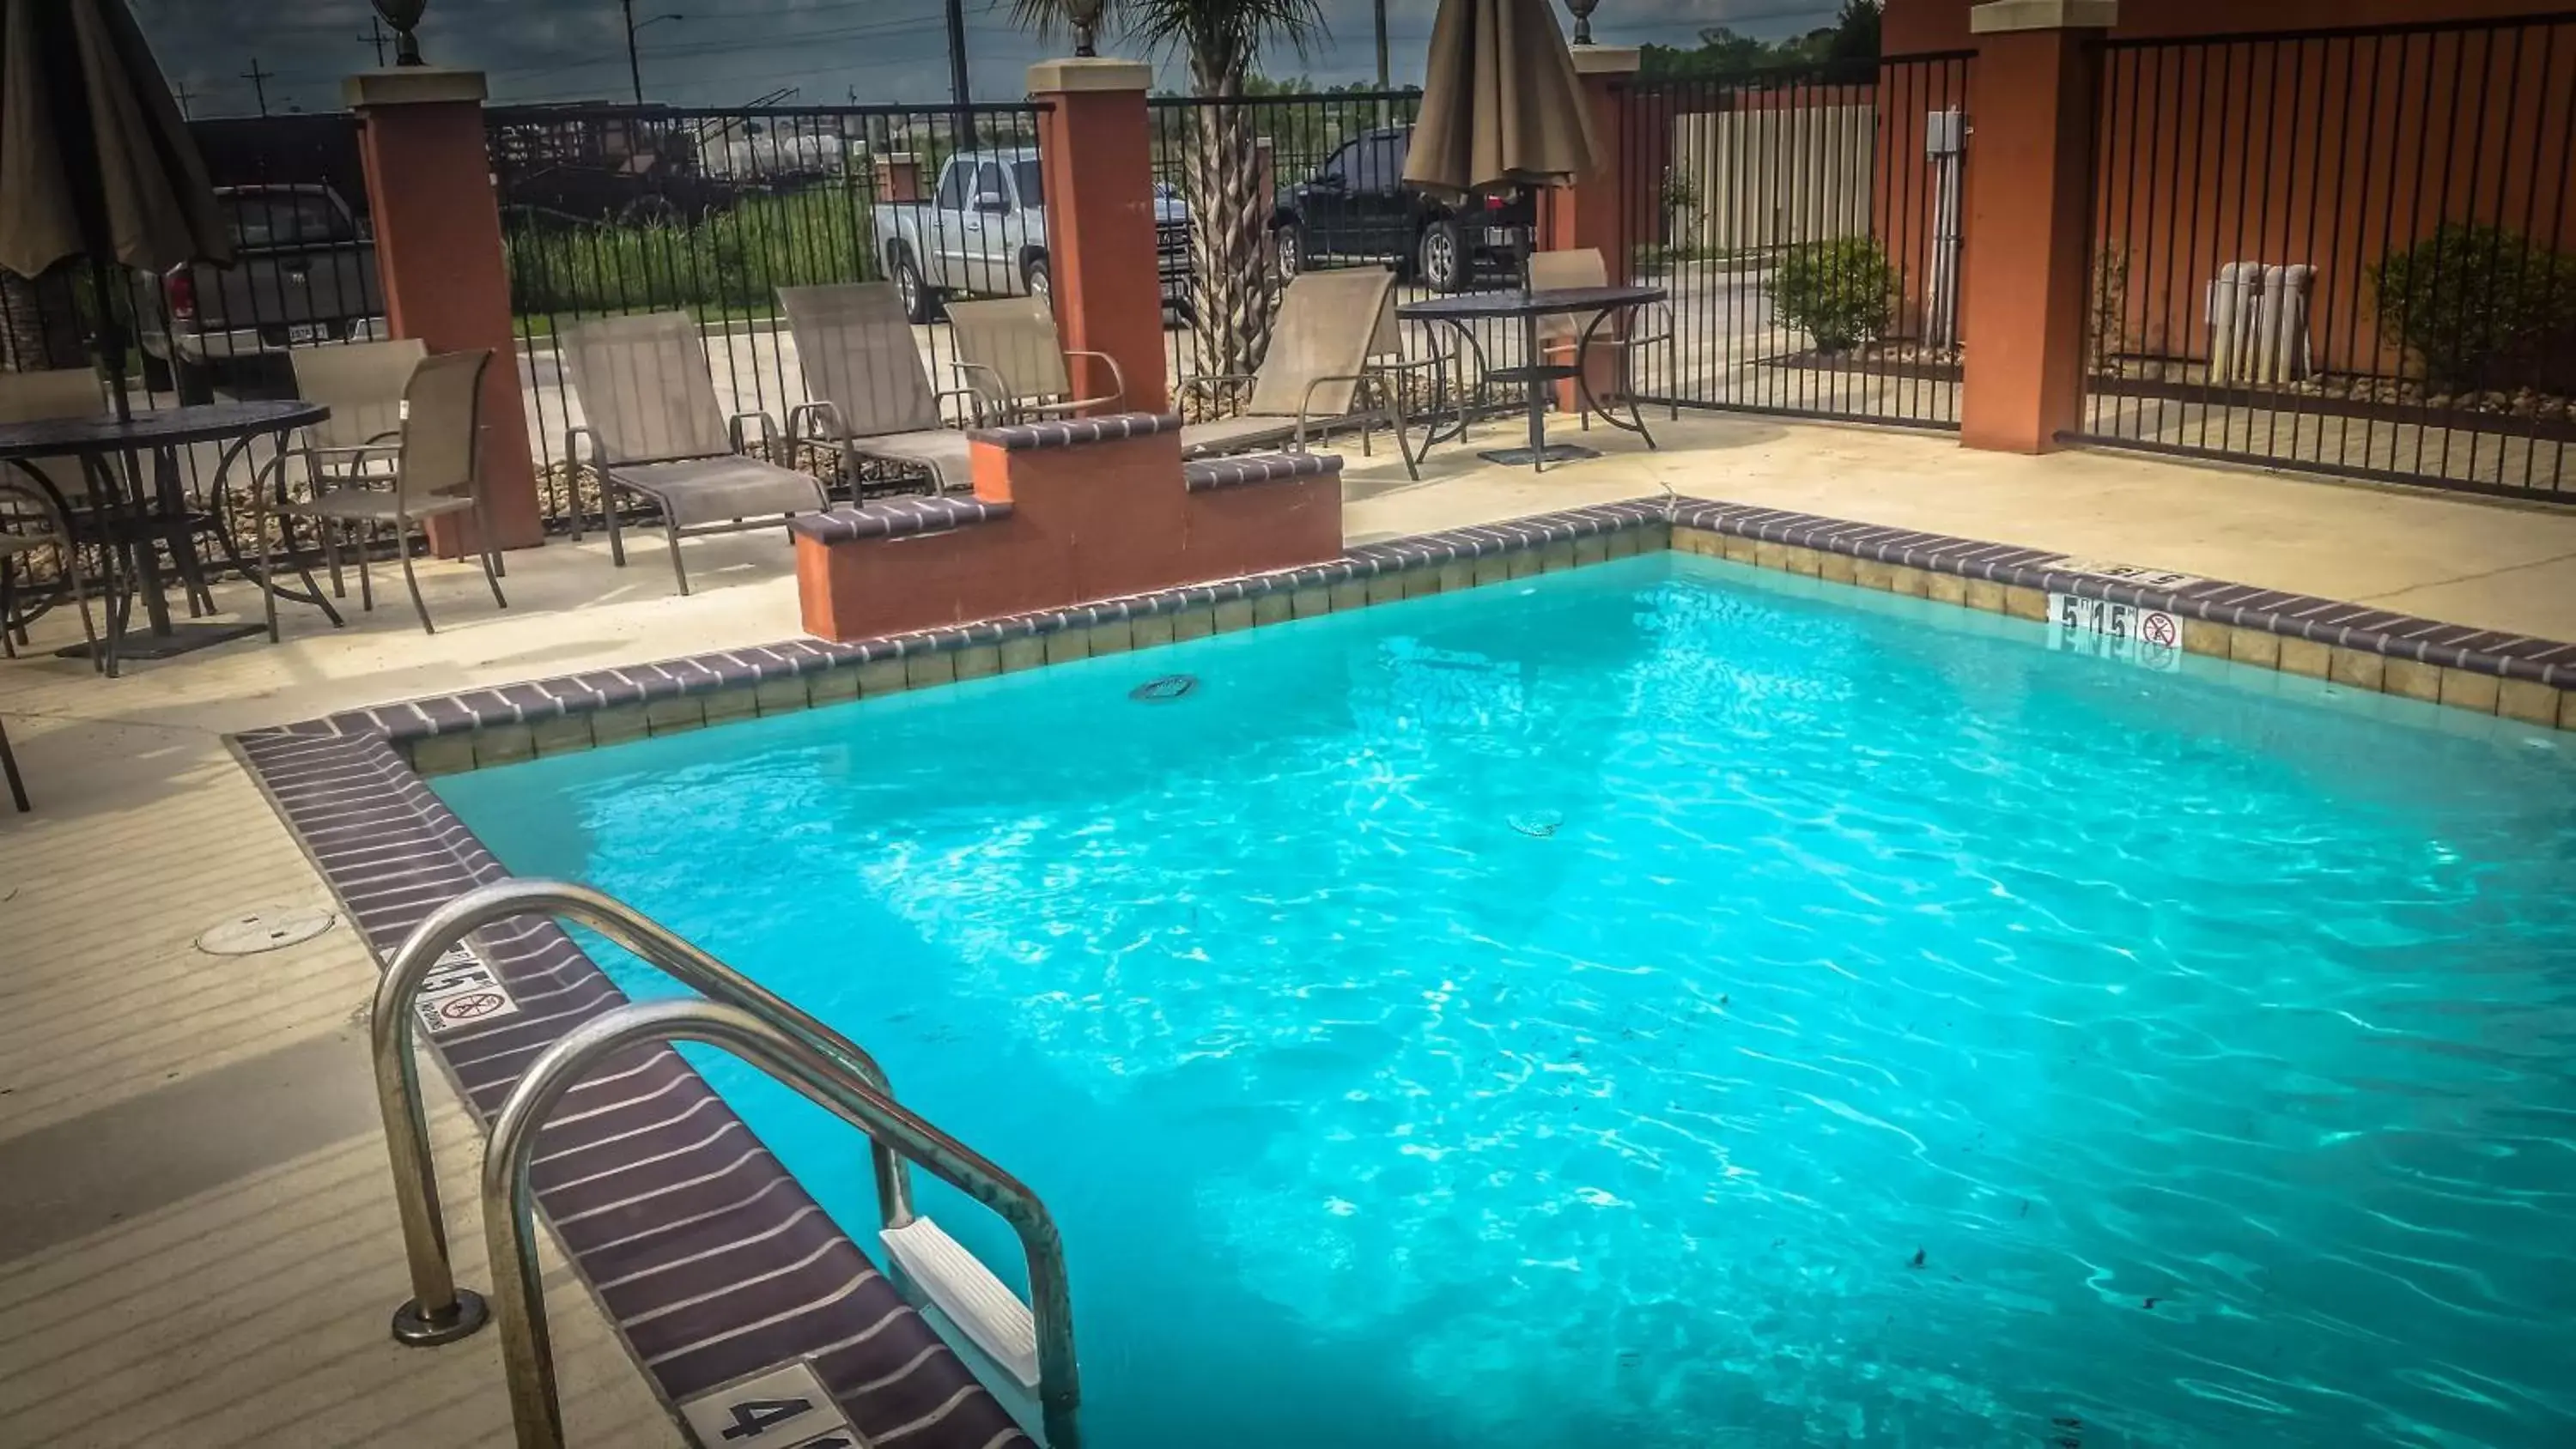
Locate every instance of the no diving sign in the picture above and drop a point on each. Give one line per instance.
(460, 991)
(2148, 638)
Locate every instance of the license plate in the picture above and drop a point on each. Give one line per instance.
(307, 331)
(2148, 638)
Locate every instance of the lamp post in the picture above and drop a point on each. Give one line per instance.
(1086, 26)
(404, 16)
(634, 64)
(1582, 19)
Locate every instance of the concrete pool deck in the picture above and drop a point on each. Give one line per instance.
(192, 1198)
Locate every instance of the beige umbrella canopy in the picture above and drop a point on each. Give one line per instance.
(94, 157)
(1501, 108)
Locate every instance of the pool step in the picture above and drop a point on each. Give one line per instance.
(981, 1306)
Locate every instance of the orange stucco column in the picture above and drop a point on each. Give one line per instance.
(438, 253)
(1096, 146)
(1596, 211)
(2030, 185)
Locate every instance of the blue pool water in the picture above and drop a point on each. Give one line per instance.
(1665, 1004)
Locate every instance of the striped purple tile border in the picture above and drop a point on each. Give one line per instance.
(2243, 606)
(711, 1259)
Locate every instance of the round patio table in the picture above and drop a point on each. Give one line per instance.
(128, 517)
(1535, 373)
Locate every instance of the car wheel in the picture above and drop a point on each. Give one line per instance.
(1041, 282)
(156, 373)
(1288, 244)
(918, 303)
(192, 383)
(1443, 257)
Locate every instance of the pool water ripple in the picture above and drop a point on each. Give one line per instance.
(1673, 1005)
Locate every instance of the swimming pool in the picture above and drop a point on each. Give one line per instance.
(1680, 1004)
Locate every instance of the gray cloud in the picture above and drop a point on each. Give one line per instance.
(728, 51)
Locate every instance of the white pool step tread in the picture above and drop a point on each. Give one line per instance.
(981, 1305)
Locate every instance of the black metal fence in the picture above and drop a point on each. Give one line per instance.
(1276, 185)
(613, 210)
(2348, 250)
(1808, 225)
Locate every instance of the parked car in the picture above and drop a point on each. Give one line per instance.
(983, 233)
(303, 271)
(1356, 208)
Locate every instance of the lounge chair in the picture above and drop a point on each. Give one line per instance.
(434, 472)
(1011, 358)
(871, 396)
(656, 431)
(1333, 343)
(1583, 267)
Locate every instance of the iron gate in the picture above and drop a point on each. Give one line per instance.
(2349, 250)
(1809, 227)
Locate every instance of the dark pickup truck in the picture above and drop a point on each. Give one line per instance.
(1356, 208)
(303, 271)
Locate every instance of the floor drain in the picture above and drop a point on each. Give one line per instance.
(268, 928)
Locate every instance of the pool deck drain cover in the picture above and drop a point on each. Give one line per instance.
(266, 928)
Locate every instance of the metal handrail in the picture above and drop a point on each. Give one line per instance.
(509, 1209)
(440, 1312)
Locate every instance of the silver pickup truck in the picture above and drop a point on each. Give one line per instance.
(983, 233)
(303, 271)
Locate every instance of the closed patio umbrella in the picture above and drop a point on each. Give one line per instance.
(95, 159)
(1501, 107)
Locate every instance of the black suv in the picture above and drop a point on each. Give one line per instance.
(1356, 207)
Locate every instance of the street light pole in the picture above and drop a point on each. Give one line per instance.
(962, 122)
(634, 65)
(1381, 45)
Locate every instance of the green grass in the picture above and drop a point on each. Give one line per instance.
(730, 263)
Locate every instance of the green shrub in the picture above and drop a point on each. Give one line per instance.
(1840, 292)
(2478, 306)
(730, 261)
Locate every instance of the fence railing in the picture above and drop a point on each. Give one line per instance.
(613, 210)
(2344, 250)
(1809, 226)
(1276, 185)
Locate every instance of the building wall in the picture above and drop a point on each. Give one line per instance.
(1912, 26)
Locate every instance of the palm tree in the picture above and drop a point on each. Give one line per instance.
(1220, 177)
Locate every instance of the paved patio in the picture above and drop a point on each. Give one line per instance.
(196, 1239)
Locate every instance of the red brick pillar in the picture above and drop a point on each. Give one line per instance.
(1098, 157)
(438, 252)
(1596, 210)
(2030, 186)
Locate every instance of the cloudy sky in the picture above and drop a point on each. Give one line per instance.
(726, 52)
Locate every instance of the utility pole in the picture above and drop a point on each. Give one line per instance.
(259, 80)
(634, 66)
(962, 123)
(183, 95)
(1382, 82)
(376, 37)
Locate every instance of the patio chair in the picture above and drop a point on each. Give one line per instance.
(362, 384)
(656, 431)
(1333, 344)
(871, 396)
(39, 496)
(1010, 357)
(1583, 267)
(435, 472)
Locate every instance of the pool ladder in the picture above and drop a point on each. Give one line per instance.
(1032, 1342)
